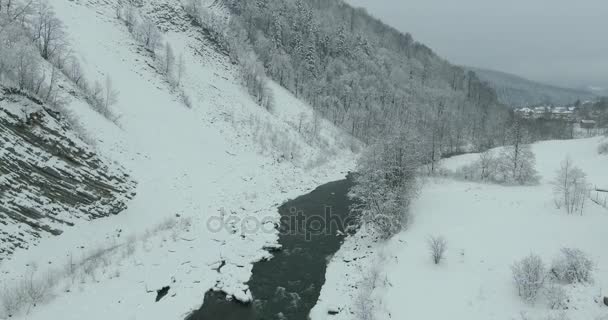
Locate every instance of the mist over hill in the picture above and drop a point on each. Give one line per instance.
(516, 91)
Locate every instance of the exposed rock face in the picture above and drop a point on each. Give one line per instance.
(49, 177)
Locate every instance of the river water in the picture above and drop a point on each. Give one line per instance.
(288, 285)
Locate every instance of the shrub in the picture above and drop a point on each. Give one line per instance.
(573, 266)
(603, 148)
(529, 276)
(437, 247)
(557, 297)
(12, 301)
(558, 316)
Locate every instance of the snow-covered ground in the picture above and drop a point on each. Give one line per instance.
(488, 227)
(225, 157)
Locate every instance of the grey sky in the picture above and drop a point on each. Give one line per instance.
(563, 42)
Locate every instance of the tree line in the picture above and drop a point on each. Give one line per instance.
(410, 106)
(35, 53)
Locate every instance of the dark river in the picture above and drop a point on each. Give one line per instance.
(288, 285)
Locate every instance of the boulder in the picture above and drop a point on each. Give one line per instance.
(333, 310)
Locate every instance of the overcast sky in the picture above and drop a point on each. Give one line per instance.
(563, 42)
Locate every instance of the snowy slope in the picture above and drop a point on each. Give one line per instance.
(488, 227)
(225, 157)
(50, 178)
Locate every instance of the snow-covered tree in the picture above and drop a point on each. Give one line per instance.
(386, 184)
(149, 34)
(570, 187)
(529, 276)
(169, 61)
(517, 159)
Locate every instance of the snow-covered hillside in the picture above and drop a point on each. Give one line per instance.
(487, 227)
(225, 157)
(49, 177)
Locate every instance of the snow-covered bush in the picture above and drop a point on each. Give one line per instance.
(26, 293)
(603, 148)
(557, 298)
(35, 287)
(570, 187)
(11, 301)
(529, 276)
(572, 266)
(512, 164)
(484, 169)
(364, 302)
(437, 247)
(562, 315)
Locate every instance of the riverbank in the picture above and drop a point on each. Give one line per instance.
(288, 284)
(487, 227)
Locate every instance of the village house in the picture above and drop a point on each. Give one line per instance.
(587, 124)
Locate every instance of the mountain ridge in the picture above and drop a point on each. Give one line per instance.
(517, 91)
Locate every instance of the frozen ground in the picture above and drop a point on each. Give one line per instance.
(224, 157)
(487, 227)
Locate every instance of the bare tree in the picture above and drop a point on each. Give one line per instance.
(110, 94)
(47, 30)
(181, 68)
(570, 187)
(488, 165)
(603, 148)
(49, 97)
(150, 35)
(169, 61)
(12, 301)
(437, 247)
(34, 290)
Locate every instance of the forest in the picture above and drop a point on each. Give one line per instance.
(365, 76)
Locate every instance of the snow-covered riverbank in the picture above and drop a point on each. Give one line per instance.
(488, 227)
(224, 157)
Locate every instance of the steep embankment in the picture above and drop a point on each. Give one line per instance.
(49, 177)
(223, 160)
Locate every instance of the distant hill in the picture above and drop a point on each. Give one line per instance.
(516, 91)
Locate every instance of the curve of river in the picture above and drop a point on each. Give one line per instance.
(288, 286)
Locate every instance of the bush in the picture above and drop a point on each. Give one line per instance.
(557, 298)
(603, 148)
(437, 247)
(558, 316)
(484, 169)
(11, 301)
(573, 266)
(529, 276)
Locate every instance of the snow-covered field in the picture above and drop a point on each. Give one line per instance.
(224, 157)
(487, 227)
